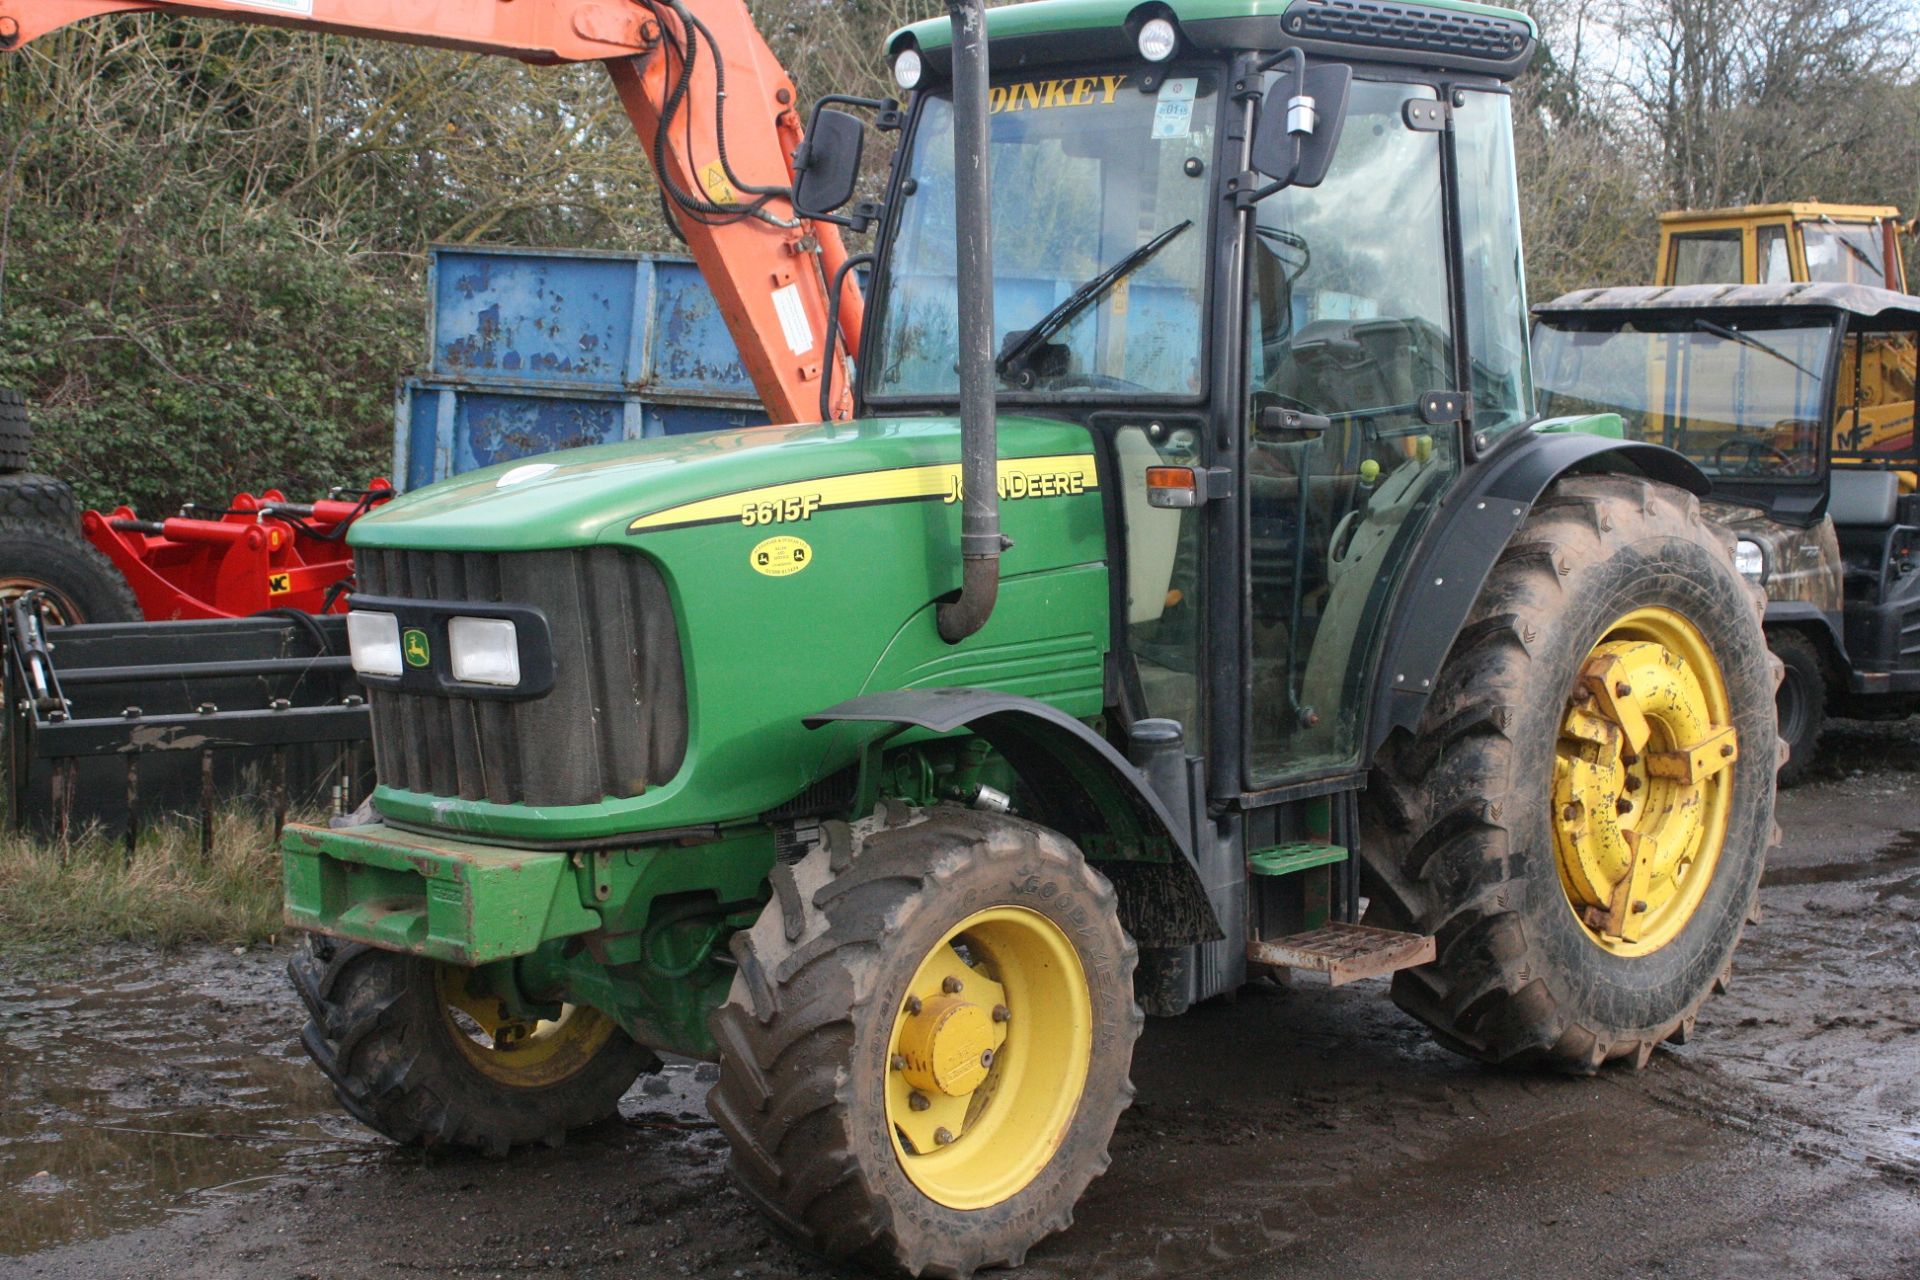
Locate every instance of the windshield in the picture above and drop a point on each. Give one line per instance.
(1746, 402)
(1844, 253)
(1086, 170)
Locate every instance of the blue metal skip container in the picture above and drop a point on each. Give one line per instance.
(533, 350)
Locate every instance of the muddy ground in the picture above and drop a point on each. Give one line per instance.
(157, 1120)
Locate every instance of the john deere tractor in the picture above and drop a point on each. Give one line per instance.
(1196, 594)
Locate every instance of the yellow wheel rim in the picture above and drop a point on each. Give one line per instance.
(516, 1052)
(987, 1057)
(1642, 783)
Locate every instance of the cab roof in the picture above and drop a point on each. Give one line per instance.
(1793, 209)
(1443, 34)
(1857, 300)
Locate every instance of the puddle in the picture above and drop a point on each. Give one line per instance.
(1902, 853)
(134, 1086)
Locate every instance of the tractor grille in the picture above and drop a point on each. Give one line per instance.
(1411, 27)
(615, 722)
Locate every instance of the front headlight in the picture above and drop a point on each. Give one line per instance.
(483, 650)
(1750, 559)
(374, 641)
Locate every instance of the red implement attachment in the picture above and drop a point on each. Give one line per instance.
(260, 553)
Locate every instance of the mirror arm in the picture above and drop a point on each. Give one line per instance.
(1247, 191)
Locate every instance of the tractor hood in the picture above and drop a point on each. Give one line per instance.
(760, 475)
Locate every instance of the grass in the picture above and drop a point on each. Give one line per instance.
(167, 894)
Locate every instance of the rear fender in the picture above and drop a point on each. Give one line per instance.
(1460, 546)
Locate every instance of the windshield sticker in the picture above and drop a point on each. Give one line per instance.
(1173, 109)
(1041, 95)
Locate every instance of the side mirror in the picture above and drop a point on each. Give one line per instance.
(828, 165)
(1300, 123)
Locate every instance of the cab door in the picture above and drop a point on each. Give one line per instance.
(1349, 318)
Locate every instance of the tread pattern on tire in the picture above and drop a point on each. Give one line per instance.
(66, 562)
(1439, 842)
(16, 431)
(788, 1029)
(35, 499)
(363, 1005)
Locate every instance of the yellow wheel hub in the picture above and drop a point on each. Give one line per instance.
(518, 1053)
(987, 1057)
(1642, 787)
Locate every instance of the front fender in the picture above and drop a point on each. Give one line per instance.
(1458, 551)
(1079, 786)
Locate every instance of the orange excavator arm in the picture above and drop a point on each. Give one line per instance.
(724, 159)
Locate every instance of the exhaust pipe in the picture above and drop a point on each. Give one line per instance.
(980, 540)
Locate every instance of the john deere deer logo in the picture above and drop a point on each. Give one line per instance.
(414, 645)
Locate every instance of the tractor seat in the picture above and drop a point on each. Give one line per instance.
(1862, 499)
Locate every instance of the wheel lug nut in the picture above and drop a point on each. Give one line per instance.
(1623, 690)
(951, 986)
(1000, 1013)
(1629, 757)
(913, 1004)
(943, 1135)
(1623, 805)
(1633, 783)
(1571, 813)
(899, 1062)
(918, 1101)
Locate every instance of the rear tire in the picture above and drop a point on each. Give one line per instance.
(816, 1072)
(81, 584)
(1461, 829)
(381, 1031)
(1801, 702)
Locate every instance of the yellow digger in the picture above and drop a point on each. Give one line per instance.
(1783, 243)
(1819, 243)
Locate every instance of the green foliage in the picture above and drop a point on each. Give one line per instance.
(171, 368)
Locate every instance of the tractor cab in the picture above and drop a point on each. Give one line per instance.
(1798, 402)
(1808, 242)
(1235, 269)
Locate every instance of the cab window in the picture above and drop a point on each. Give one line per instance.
(1707, 257)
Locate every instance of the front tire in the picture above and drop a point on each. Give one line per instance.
(1801, 702)
(1586, 896)
(414, 1055)
(927, 1046)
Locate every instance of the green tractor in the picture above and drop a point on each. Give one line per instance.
(1196, 595)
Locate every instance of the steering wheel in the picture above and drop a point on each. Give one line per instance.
(1762, 457)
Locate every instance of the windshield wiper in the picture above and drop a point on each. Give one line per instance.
(1020, 346)
(1748, 340)
(1859, 254)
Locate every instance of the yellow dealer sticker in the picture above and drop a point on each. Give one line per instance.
(781, 556)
